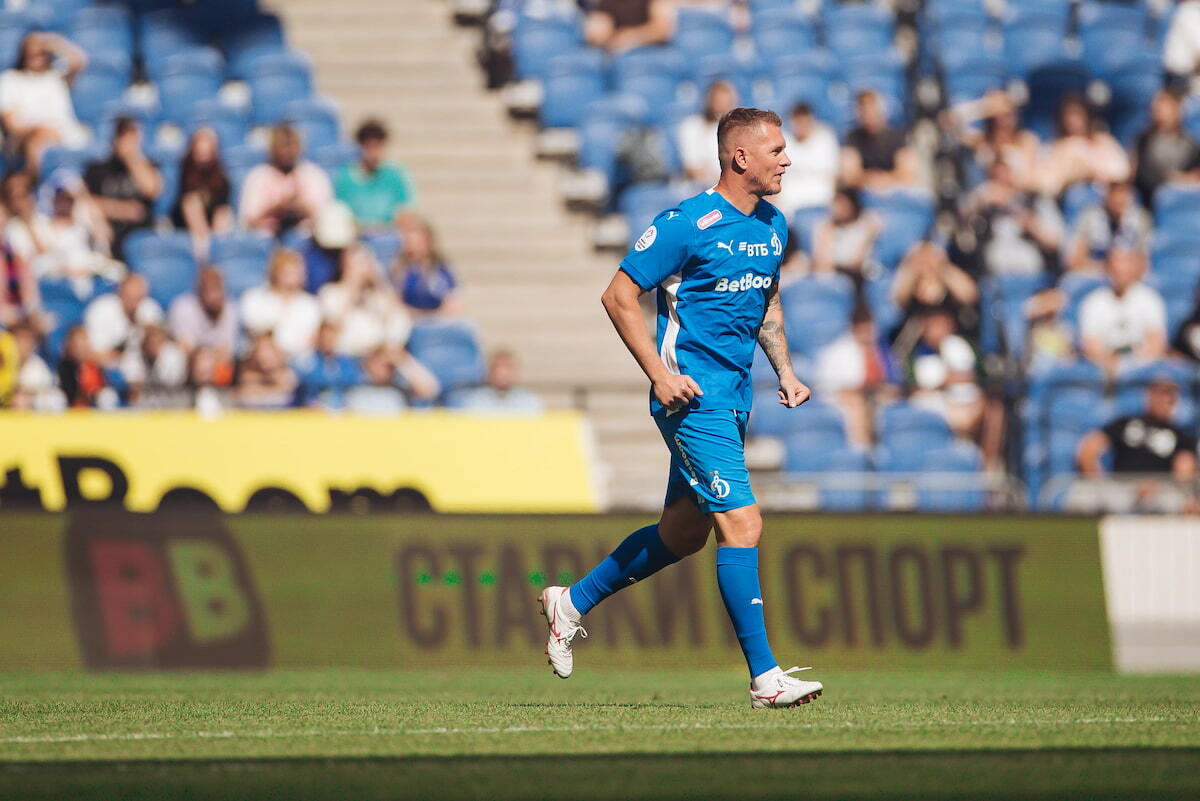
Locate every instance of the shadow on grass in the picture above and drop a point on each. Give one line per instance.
(1095, 774)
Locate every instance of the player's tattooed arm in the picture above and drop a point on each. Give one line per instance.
(773, 340)
(771, 336)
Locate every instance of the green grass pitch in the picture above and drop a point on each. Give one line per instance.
(649, 734)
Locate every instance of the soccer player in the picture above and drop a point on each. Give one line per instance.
(714, 260)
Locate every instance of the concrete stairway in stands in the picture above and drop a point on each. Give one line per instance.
(530, 278)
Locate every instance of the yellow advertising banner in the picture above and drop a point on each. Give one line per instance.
(311, 459)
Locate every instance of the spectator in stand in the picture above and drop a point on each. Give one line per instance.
(1050, 338)
(856, 372)
(1165, 151)
(501, 393)
(286, 192)
(70, 243)
(620, 25)
(1018, 232)
(116, 322)
(374, 189)
(1145, 443)
(698, 134)
(35, 98)
(81, 375)
(363, 306)
(942, 372)
(844, 240)
(1186, 343)
(282, 308)
(422, 276)
(264, 379)
(875, 155)
(1082, 153)
(35, 382)
(926, 281)
(202, 205)
(1126, 320)
(324, 374)
(20, 297)
(207, 319)
(162, 370)
(333, 232)
(208, 382)
(1118, 220)
(1181, 49)
(813, 148)
(1001, 139)
(392, 380)
(125, 185)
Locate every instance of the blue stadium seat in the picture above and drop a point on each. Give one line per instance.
(165, 259)
(241, 257)
(652, 73)
(813, 431)
(536, 42)
(571, 84)
(163, 32)
(187, 78)
(700, 31)
(238, 160)
(230, 123)
(600, 132)
(333, 156)
(1136, 79)
(275, 81)
(641, 203)
(385, 246)
(907, 216)
(317, 120)
(169, 160)
(882, 71)
(725, 67)
(75, 160)
(1178, 292)
(973, 77)
(803, 226)
(1177, 207)
(782, 32)
(104, 80)
(244, 43)
(905, 430)
(960, 466)
(855, 28)
(884, 311)
(1078, 197)
(65, 310)
(451, 352)
(100, 28)
(1176, 254)
(948, 13)
(816, 311)
(13, 27)
(57, 15)
(1033, 39)
(838, 490)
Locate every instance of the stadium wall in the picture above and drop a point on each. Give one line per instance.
(110, 589)
(299, 460)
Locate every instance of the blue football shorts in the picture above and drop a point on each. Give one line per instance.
(708, 460)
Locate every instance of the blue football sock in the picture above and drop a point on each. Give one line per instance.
(737, 576)
(641, 555)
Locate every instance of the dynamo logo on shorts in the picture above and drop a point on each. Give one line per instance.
(747, 281)
(719, 486)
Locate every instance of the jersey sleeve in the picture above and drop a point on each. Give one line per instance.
(661, 250)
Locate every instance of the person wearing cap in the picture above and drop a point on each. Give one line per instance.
(286, 192)
(373, 188)
(1143, 443)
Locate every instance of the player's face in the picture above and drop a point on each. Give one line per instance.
(766, 161)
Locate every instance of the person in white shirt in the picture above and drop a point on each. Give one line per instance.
(698, 134)
(366, 309)
(1181, 50)
(501, 394)
(114, 321)
(35, 97)
(1126, 320)
(282, 308)
(813, 149)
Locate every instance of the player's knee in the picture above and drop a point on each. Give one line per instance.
(742, 529)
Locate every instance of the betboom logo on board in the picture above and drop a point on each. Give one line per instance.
(162, 591)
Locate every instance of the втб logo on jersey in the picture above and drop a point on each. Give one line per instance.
(775, 248)
(747, 281)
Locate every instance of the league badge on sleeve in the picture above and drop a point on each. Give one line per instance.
(646, 239)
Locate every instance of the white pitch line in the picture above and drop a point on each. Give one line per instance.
(275, 734)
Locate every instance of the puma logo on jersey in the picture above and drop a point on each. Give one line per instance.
(728, 246)
(747, 281)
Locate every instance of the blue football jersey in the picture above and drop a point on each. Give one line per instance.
(713, 267)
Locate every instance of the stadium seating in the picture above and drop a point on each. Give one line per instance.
(241, 258)
(816, 311)
(166, 261)
(450, 350)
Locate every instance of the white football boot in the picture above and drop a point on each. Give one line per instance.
(783, 691)
(562, 631)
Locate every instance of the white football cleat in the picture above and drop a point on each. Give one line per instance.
(784, 691)
(562, 631)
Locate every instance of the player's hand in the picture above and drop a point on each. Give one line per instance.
(676, 391)
(792, 392)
